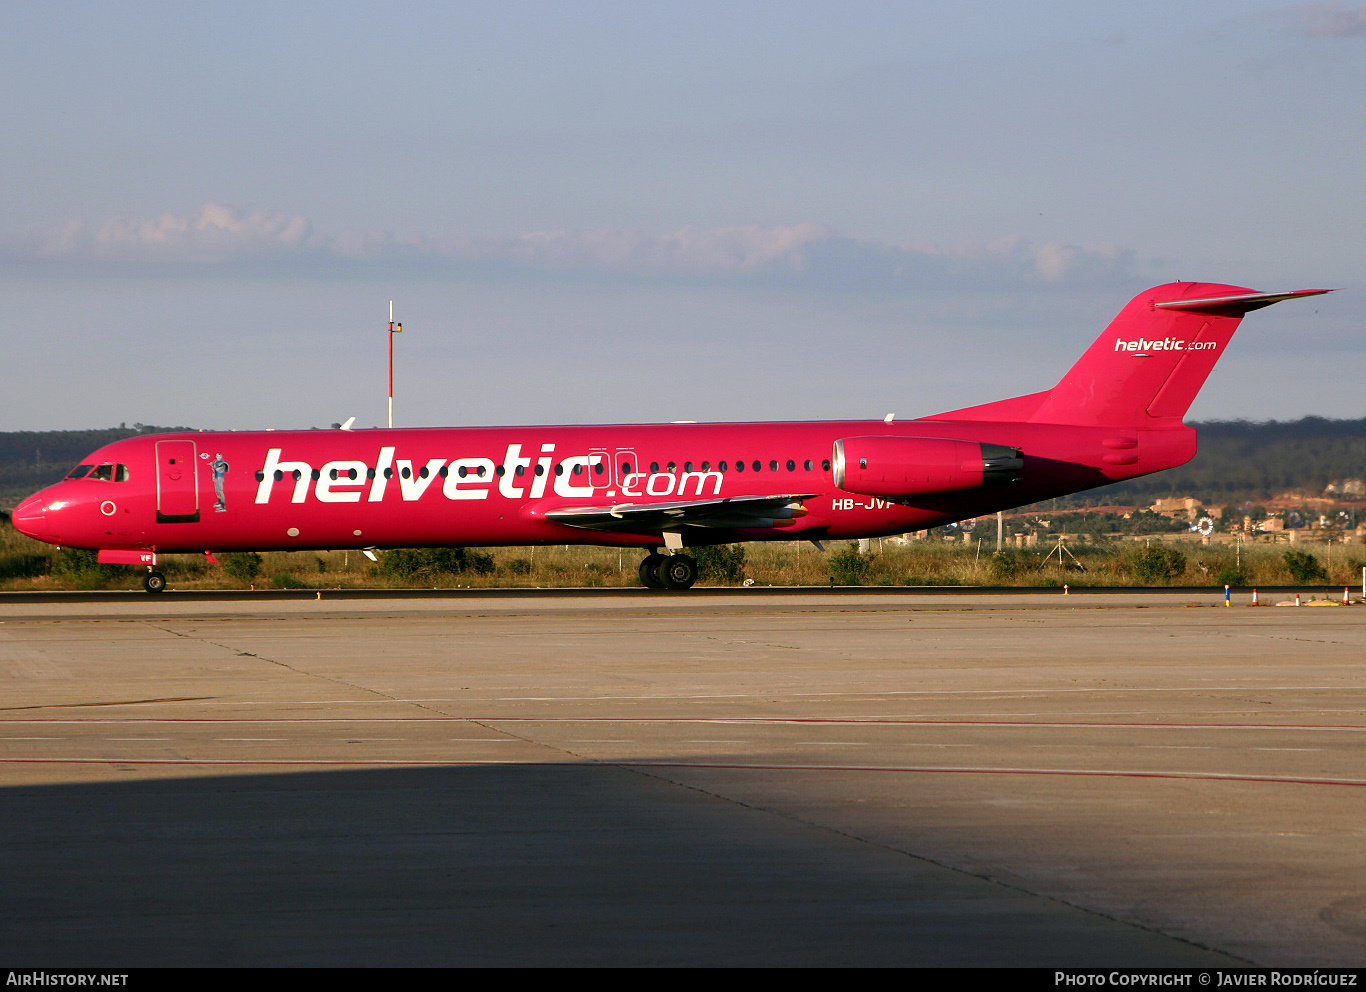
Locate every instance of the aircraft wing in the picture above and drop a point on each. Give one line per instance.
(740, 512)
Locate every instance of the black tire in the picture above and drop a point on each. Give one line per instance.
(154, 582)
(678, 571)
(649, 569)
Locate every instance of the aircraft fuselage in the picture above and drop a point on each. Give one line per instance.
(296, 490)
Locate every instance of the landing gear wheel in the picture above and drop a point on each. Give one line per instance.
(648, 569)
(678, 571)
(154, 582)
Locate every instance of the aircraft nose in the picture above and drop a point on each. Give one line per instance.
(30, 518)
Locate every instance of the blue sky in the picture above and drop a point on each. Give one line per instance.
(613, 212)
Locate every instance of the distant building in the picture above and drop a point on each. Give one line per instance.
(1178, 507)
(1346, 488)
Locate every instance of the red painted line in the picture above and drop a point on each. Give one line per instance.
(253, 761)
(704, 766)
(1081, 772)
(817, 721)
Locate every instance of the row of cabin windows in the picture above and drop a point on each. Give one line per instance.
(407, 473)
(105, 473)
(598, 469)
(755, 466)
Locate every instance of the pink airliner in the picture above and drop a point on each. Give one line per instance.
(1115, 415)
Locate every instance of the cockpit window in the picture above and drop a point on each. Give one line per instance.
(105, 473)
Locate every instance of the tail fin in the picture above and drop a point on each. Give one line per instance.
(1148, 365)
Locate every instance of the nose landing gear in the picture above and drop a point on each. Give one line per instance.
(154, 581)
(659, 571)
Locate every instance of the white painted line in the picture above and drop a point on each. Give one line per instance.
(1286, 749)
(1176, 747)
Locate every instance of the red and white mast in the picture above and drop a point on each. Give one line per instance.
(392, 331)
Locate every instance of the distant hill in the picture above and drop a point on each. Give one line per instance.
(30, 460)
(1238, 461)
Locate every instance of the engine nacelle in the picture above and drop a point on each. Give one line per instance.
(912, 466)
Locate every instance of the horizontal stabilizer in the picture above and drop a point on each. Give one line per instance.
(1239, 303)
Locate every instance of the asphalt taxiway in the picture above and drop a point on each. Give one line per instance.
(1096, 779)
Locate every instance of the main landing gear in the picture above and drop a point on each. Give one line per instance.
(659, 571)
(154, 581)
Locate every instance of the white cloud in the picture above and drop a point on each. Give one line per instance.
(1329, 20)
(214, 231)
(236, 238)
